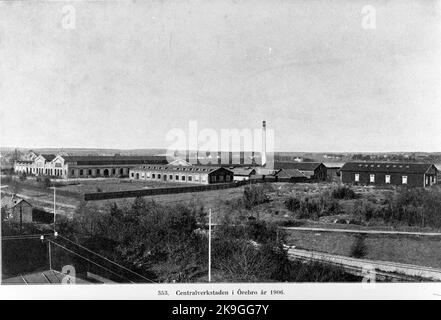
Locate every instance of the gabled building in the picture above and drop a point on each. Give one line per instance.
(389, 173)
(243, 173)
(182, 174)
(312, 170)
(84, 166)
(293, 175)
(16, 209)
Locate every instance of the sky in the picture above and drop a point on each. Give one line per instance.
(325, 75)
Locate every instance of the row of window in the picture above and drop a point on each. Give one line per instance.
(89, 172)
(170, 177)
(177, 168)
(43, 171)
(386, 178)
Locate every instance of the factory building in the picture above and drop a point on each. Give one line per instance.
(65, 167)
(388, 173)
(182, 174)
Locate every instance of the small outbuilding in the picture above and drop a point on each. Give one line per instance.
(243, 173)
(292, 175)
(16, 209)
(312, 170)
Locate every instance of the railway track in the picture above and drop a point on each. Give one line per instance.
(370, 268)
(358, 231)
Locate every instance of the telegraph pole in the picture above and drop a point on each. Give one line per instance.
(50, 254)
(54, 206)
(209, 246)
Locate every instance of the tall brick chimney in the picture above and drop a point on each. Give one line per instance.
(263, 154)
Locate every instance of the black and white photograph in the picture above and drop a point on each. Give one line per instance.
(226, 148)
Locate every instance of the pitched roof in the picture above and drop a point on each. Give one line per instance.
(89, 160)
(290, 173)
(239, 171)
(24, 161)
(180, 162)
(302, 166)
(48, 157)
(393, 167)
(174, 168)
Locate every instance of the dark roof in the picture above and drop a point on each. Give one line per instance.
(201, 169)
(48, 157)
(239, 171)
(91, 160)
(387, 167)
(302, 166)
(290, 173)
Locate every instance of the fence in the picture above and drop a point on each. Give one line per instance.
(184, 189)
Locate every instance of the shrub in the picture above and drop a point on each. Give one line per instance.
(343, 192)
(412, 207)
(292, 204)
(313, 207)
(359, 248)
(236, 257)
(255, 195)
(364, 210)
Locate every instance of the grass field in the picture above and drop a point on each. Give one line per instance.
(111, 185)
(214, 200)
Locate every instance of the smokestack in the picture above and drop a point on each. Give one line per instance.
(263, 155)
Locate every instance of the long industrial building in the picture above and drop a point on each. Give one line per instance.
(182, 174)
(84, 166)
(389, 173)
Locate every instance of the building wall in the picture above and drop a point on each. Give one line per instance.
(181, 177)
(332, 173)
(241, 178)
(66, 170)
(42, 168)
(413, 180)
(170, 176)
(320, 173)
(74, 171)
(23, 210)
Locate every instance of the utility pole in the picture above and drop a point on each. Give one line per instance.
(209, 246)
(54, 207)
(50, 255)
